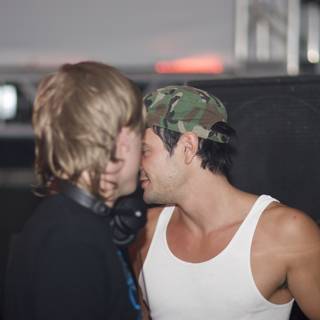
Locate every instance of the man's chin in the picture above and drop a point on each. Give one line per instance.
(146, 197)
(149, 198)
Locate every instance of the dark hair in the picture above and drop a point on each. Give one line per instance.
(215, 156)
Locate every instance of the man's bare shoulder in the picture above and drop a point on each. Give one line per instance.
(295, 236)
(289, 228)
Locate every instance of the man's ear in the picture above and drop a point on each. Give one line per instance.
(189, 142)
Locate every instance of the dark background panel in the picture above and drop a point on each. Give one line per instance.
(17, 204)
(16, 152)
(278, 136)
(278, 139)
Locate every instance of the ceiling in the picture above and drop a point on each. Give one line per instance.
(120, 32)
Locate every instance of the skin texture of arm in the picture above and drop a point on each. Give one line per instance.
(302, 236)
(286, 258)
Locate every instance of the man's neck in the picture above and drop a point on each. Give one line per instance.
(209, 202)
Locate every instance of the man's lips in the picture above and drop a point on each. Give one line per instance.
(144, 181)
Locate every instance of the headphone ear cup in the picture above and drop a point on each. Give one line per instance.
(129, 216)
(122, 228)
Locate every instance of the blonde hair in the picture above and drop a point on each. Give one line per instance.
(78, 113)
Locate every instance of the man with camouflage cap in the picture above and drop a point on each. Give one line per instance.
(185, 111)
(213, 251)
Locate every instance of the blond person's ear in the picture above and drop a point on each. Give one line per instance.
(108, 181)
(110, 177)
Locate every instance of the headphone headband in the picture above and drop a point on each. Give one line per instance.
(84, 198)
(125, 220)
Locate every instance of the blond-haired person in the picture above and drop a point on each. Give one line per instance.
(88, 121)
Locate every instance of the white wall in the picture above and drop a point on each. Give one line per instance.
(120, 32)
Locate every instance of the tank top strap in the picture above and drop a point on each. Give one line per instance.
(156, 250)
(163, 221)
(257, 209)
(244, 235)
(159, 232)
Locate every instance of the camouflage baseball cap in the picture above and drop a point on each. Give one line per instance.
(183, 108)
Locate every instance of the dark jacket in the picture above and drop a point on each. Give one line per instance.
(64, 265)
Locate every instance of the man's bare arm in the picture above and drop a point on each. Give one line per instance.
(303, 257)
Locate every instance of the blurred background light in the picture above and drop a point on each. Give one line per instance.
(194, 64)
(8, 102)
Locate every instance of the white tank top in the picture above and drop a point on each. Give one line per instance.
(221, 288)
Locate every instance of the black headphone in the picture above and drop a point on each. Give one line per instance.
(125, 219)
